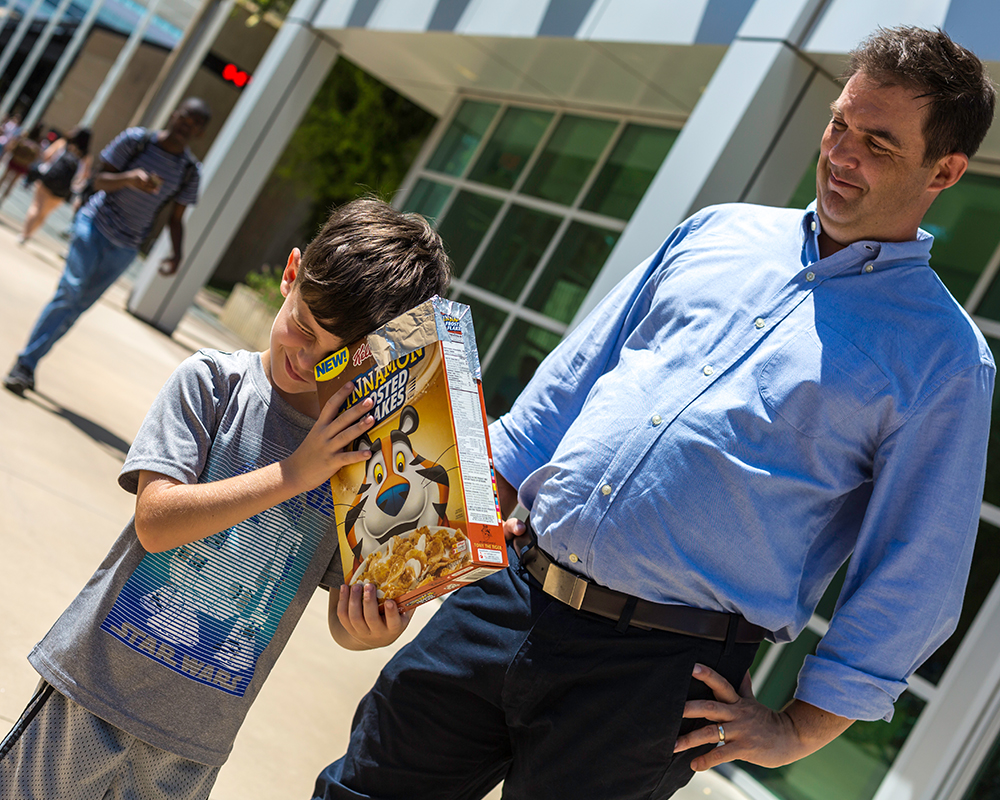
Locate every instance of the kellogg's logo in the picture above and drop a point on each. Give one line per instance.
(331, 366)
(362, 354)
(452, 325)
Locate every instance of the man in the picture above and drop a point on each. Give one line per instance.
(772, 392)
(139, 173)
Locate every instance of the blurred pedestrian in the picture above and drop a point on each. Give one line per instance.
(23, 151)
(61, 164)
(139, 173)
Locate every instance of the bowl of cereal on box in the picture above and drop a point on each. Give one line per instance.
(411, 560)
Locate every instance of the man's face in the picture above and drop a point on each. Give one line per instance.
(186, 123)
(871, 182)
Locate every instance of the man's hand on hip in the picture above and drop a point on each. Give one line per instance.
(750, 731)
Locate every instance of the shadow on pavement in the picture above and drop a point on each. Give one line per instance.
(99, 434)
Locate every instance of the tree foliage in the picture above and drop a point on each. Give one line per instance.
(358, 137)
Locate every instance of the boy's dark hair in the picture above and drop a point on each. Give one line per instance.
(369, 264)
(961, 95)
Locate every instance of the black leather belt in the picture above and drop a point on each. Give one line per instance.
(584, 595)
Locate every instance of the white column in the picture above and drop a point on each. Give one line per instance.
(238, 164)
(15, 40)
(193, 59)
(32, 59)
(62, 65)
(749, 138)
(118, 68)
(166, 91)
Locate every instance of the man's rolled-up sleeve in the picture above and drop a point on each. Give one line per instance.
(906, 580)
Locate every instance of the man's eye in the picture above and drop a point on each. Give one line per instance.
(877, 148)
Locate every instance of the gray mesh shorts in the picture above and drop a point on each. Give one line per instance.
(58, 750)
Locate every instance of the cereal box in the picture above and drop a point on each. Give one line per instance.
(421, 517)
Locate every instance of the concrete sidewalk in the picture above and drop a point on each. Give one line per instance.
(61, 449)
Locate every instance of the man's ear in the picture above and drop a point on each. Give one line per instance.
(291, 271)
(948, 170)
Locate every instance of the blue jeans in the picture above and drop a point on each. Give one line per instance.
(505, 683)
(93, 264)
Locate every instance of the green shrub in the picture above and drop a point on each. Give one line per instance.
(267, 284)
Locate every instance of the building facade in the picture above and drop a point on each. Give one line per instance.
(573, 135)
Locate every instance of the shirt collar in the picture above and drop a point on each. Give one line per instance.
(881, 255)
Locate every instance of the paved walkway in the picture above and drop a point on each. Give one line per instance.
(61, 508)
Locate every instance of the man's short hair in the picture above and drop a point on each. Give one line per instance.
(369, 264)
(198, 107)
(960, 92)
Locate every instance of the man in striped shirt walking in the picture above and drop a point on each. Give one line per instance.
(138, 174)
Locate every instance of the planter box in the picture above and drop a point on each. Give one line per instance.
(248, 317)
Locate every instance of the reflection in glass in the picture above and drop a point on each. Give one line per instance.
(571, 271)
(427, 198)
(462, 137)
(568, 158)
(515, 362)
(514, 251)
(464, 226)
(629, 170)
(486, 321)
(510, 147)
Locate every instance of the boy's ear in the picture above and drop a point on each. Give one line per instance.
(291, 271)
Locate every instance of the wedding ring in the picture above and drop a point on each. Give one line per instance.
(722, 736)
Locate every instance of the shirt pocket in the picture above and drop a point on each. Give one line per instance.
(818, 379)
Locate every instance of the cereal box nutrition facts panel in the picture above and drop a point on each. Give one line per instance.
(470, 436)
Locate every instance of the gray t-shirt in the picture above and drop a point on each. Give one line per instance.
(173, 647)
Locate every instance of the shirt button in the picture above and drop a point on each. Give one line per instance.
(656, 420)
(810, 276)
(812, 225)
(574, 557)
(869, 267)
(606, 489)
(759, 323)
(708, 369)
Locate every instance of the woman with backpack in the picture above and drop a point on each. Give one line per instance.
(62, 162)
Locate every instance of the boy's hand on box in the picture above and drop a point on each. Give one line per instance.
(324, 450)
(357, 611)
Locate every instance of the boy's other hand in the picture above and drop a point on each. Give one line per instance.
(357, 611)
(324, 451)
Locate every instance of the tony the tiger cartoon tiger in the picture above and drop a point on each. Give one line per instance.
(401, 491)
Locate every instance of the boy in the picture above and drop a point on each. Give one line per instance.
(147, 676)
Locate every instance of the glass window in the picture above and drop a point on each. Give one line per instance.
(568, 158)
(806, 191)
(852, 765)
(571, 271)
(965, 221)
(486, 321)
(982, 576)
(462, 137)
(465, 224)
(510, 147)
(514, 251)
(522, 351)
(629, 170)
(427, 198)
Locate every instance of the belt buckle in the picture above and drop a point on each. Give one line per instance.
(564, 586)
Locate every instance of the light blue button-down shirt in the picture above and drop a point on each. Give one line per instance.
(739, 415)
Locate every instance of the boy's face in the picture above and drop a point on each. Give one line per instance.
(298, 343)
